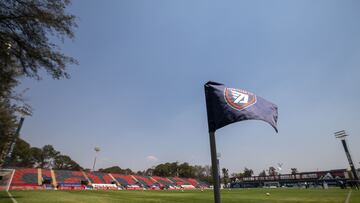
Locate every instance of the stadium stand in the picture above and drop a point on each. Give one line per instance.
(163, 181)
(124, 180)
(5, 176)
(314, 178)
(99, 178)
(25, 177)
(36, 178)
(95, 178)
(45, 174)
(105, 177)
(194, 182)
(179, 181)
(145, 180)
(63, 176)
(202, 184)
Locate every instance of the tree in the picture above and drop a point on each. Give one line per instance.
(262, 173)
(48, 156)
(25, 49)
(117, 169)
(225, 173)
(65, 162)
(199, 171)
(294, 171)
(8, 126)
(36, 154)
(186, 171)
(272, 171)
(149, 172)
(113, 169)
(161, 170)
(21, 156)
(248, 172)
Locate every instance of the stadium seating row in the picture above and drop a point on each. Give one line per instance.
(37, 177)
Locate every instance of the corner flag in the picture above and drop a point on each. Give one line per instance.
(228, 105)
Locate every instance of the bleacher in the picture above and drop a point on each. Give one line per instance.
(25, 177)
(95, 178)
(33, 178)
(124, 180)
(145, 180)
(198, 183)
(179, 181)
(164, 181)
(46, 175)
(74, 177)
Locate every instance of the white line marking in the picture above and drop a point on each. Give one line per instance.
(348, 197)
(12, 198)
(12, 176)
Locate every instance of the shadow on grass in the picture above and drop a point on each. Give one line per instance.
(8, 197)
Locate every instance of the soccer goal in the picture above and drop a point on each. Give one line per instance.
(5, 178)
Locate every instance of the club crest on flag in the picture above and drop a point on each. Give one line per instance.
(239, 99)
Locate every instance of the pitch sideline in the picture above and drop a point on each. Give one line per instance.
(12, 198)
(348, 197)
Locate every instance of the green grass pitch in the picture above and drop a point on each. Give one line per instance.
(236, 195)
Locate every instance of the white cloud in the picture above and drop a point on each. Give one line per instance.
(152, 158)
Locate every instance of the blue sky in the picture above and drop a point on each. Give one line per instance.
(138, 90)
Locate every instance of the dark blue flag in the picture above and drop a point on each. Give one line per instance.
(228, 105)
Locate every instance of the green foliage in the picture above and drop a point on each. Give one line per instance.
(26, 28)
(248, 172)
(117, 169)
(47, 157)
(65, 162)
(184, 170)
(24, 38)
(7, 127)
(225, 173)
(272, 171)
(262, 173)
(294, 171)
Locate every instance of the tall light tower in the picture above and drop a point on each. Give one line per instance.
(97, 150)
(342, 135)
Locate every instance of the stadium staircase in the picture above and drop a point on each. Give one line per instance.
(113, 179)
(146, 181)
(163, 181)
(99, 178)
(180, 181)
(93, 178)
(124, 180)
(44, 174)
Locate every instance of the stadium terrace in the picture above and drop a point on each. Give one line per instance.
(47, 179)
(37, 179)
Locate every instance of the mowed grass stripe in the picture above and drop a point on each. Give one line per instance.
(282, 195)
(4, 197)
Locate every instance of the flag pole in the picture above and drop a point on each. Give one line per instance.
(215, 168)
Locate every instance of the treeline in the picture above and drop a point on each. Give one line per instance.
(184, 170)
(46, 157)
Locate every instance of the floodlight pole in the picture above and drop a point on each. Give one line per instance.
(97, 149)
(13, 142)
(341, 135)
(215, 167)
